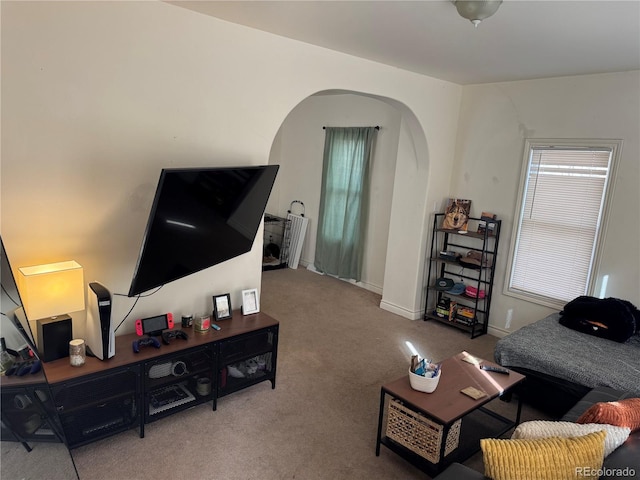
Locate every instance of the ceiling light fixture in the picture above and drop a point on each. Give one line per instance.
(476, 10)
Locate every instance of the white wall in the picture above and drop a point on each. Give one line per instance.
(300, 146)
(494, 121)
(97, 97)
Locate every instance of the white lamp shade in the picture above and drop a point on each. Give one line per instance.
(51, 289)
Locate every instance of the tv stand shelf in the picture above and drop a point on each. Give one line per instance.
(171, 381)
(246, 360)
(129, 390)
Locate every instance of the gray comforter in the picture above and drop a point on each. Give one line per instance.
(548, 347)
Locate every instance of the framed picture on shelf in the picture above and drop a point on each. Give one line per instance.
(250, 301)
(456, 215)
(222, 306)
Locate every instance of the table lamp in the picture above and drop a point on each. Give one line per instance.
(49, 292)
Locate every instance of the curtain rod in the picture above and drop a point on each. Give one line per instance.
(377, 127)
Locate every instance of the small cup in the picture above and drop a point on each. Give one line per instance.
(187, 321)
(203, 386)
(77, 352)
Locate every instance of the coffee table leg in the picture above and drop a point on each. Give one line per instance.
(380, 413)
(519, 411)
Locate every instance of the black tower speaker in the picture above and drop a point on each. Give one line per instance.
(54, 335)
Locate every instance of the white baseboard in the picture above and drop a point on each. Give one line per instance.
(398, 310)
(366, 286)
(311, 267)
(497, 332)
(369, 286)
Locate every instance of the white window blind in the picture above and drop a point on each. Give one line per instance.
(560, 217)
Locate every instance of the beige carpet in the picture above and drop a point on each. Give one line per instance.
(336, 348)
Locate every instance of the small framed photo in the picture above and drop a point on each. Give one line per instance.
(250, 301)
(222, 306)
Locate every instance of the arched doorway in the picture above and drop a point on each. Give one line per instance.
(298, 148)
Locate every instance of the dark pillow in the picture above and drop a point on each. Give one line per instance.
(609, 318)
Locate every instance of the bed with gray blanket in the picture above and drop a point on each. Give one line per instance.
(562, 364)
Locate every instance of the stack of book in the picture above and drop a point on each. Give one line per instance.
(465, 315)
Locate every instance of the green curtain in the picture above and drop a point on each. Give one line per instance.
(344, 201)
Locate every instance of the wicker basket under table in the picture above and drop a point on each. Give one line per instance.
(418, 433)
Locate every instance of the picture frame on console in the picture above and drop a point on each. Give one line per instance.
(250, 301)
(222, 307)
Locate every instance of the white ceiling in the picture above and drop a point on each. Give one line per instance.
(523, 40)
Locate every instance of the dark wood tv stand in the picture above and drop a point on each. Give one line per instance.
(102, 398)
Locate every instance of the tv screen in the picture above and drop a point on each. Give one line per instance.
(200, 217)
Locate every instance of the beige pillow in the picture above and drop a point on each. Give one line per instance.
(616, 436)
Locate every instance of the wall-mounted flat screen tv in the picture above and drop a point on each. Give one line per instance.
(200, 217)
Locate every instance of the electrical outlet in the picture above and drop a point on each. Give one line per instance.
(507, 323)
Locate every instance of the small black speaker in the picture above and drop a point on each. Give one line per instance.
(54, 335)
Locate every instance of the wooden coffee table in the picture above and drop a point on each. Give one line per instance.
(446, 406)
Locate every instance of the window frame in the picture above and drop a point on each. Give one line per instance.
(616, 147)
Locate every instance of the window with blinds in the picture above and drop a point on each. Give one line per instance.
(559, 218)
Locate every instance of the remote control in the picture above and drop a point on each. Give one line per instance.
(489, 368)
